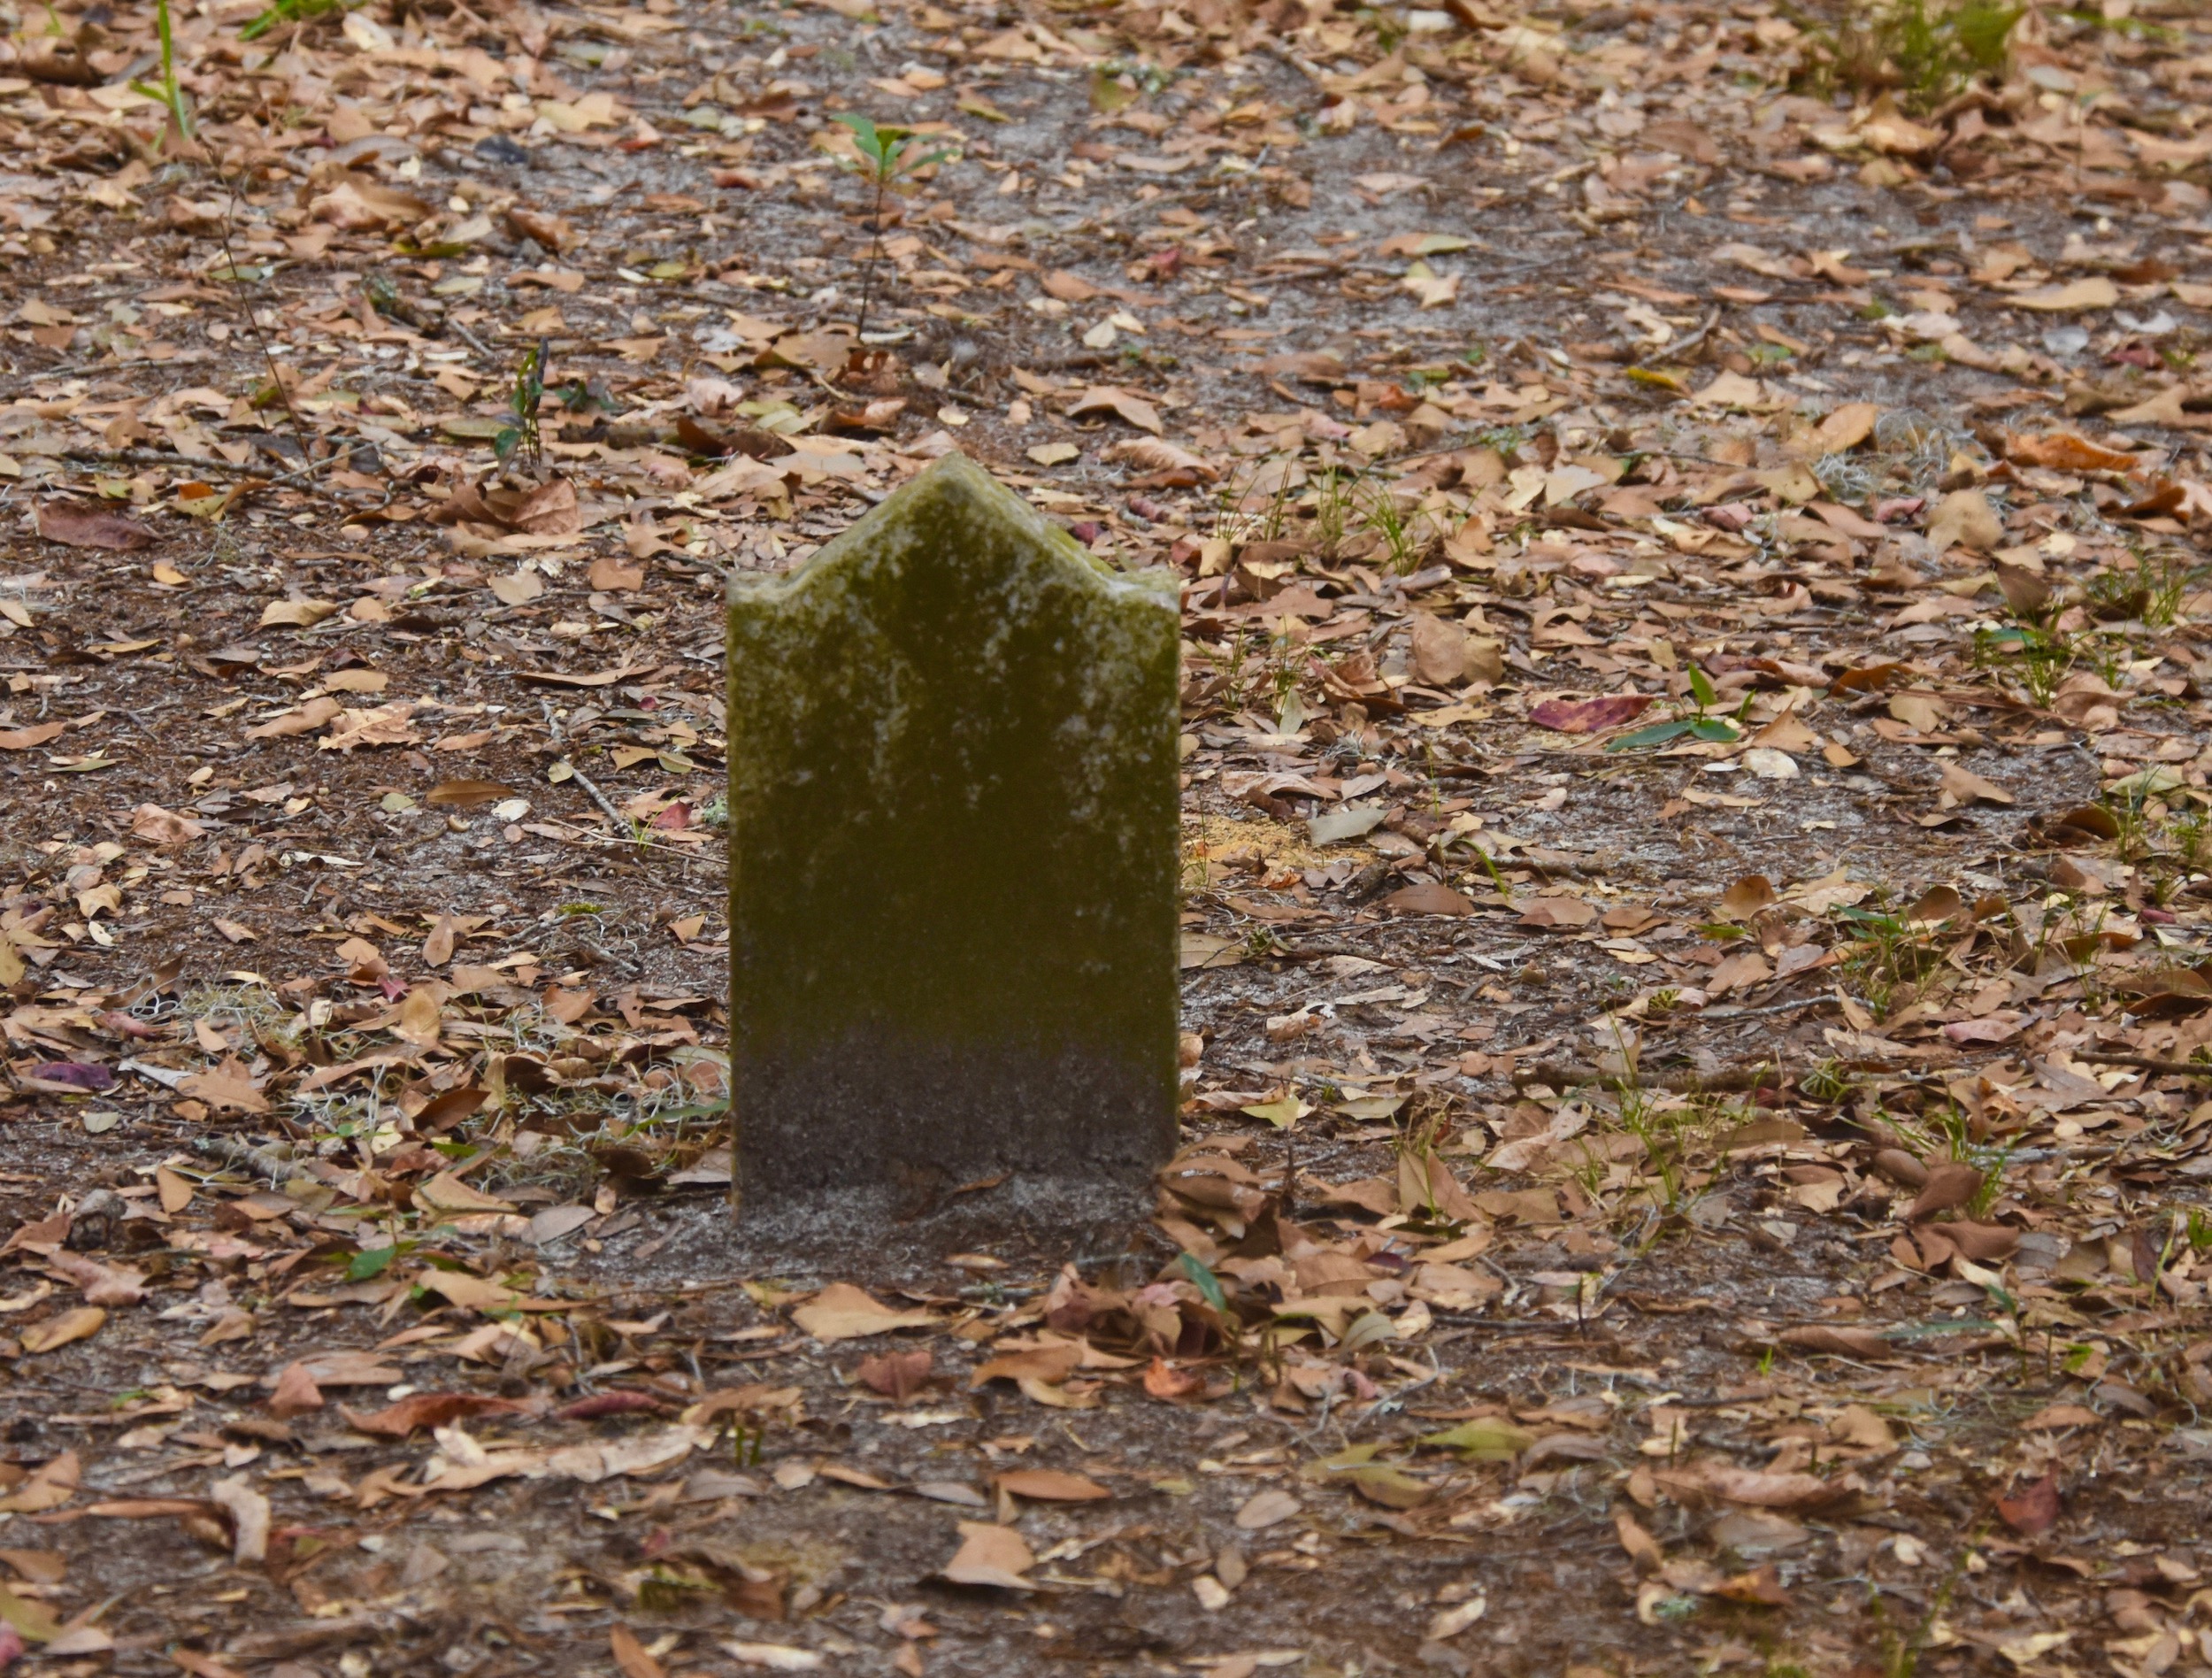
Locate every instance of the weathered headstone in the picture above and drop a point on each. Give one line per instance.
(954, 846)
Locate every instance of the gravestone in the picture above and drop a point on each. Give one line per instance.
(952, 857)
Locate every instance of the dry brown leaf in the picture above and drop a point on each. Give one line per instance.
(303, 719)
(842, 1311)
(52, 1484)
(1132, 409)
(101, 1284)
(296, 614)
(1049, 1485)
(79, 1323)
(630, 1655)
(379, 725)
(75, 525)
(990, 1555)
(250, 1514)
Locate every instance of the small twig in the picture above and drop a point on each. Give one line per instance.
(582, 780)
(470, 338)
(155, 457)
(2146, 1063)
(1675, 348)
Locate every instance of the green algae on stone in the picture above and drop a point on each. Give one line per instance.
(953, 857)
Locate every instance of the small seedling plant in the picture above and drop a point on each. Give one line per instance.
(887, 156)
(519, 434)
(1696, 724)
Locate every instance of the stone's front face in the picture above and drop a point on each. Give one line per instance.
(954, 843)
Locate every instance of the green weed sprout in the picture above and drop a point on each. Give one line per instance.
(168, 92)
(1698, 725)
(291, 12)
(520, 434)
(886, 155)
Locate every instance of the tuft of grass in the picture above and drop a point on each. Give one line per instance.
(1405, 537)
(167, 90)
(2149, 592)
(1920, 52)
(282, 12)
(1332, 513)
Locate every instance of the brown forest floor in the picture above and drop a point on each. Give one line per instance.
(1734, 1202)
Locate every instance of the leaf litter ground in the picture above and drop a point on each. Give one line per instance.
(1696, 1151)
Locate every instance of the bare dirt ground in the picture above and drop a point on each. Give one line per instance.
(1696, 1155)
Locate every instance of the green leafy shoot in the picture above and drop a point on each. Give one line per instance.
(520, 435)
(167, 91)
(887, 155)
(1921, 51)
(1695, 724)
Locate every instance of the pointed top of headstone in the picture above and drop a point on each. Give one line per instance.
(953, 493)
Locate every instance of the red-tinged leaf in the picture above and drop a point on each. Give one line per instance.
(897, 1374)
(1838, 1341)
(2033, 1510)
(74, 1074)
(29, 739)
(1589, 716)
(623, 1402)
(1761, 1586)
(423, 1410)
(295, 1393)
(1168, 1384)
(1429, 897)
(75, 525)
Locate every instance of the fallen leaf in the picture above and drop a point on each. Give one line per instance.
(1112, 399)
(296, 614)
(630, 1655)
(52, 1483)
(78, 526)
(842, 1311)
(2096, 292)
(1266, 1509)
(1949, 1185)
(1966, 787)
(897, 1373)
(2033, 1510)
(1588, 716)
(80, 1322)
(249, 1511)
(1049, 1485)
(990, 1555)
